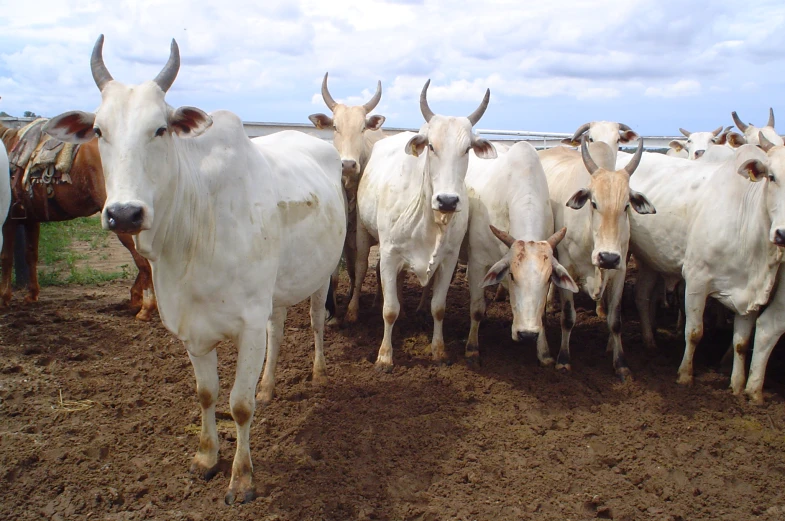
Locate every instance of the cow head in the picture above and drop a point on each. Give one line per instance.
(531, 266)
(446, 141)
(611, 197)
(751, 132)
(699, 142)
(135, 128)
(349, 125)
(771, 171)
(607, 132)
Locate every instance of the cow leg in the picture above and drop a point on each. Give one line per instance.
(768, 329)
(32, 234)
(7, 260)
(331, 302)
(742, 330)
(350, 256)
(252, 345)
(390, 310)
(378, 295)
(426, 292)
(317, 325)
(695, 304)
(599, 309)
(475, 274)
(613, 293)
(567, 323)
(205, 461)
(645, 283)
(360, 269)
(441, 284)
(275, 329)
(551, 306)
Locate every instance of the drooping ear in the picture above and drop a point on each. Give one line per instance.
(483, 148)
(678, 146)
(640, 204)
(497, 273)
(579, 199)
(321, 121)
(721, 139)
(72, 127)
(570, 142)
(561, 278)
(189, 121)
(374, 122)
(735, 139)
(625, 136)
(753, 169)
(416, 145)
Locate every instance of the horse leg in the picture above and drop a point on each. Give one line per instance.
(32, 233)
(142, 294)
(7, 261)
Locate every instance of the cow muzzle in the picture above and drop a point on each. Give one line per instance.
(699, 153)
(124, 217)
(779, 237)
(350, 167)
(446, 203)
(608, 261)
(526, 336)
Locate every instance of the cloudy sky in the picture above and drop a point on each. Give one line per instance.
(655, 65)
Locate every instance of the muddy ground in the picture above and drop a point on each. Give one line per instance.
(506, 441)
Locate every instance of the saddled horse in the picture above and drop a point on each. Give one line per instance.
(52, 181)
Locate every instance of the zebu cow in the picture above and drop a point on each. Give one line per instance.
(608, 132)
(5, 188)
(82, 196)
(698, 143)
(412, 200)
(719, 227)
(355, 133)
(594, 251)
(509, 195)
(677, 148)
(235, 231)
(752, 133)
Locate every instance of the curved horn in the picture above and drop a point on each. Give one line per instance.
(475, 116)
(636, 159)
(687, 132)
(771, 118)
(100, 72)
(741, 126)
(624, 127)
(556, 238)
(505, 237)
(167, 75)
(581, 130)
(765, 144)
(328, 100)
(427, 113)
(588, 162)
(376, 97)
(717, 131)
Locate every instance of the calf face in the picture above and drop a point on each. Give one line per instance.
(531, 267)
(611, 198)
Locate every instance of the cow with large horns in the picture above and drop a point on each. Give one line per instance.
(412, 200)
(608, 132)
(355, 132)
(236, 231)
(752, 133)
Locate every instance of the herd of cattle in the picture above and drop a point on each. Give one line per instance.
(238, 230)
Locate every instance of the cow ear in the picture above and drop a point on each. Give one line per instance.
(189, 121)
(374, 122)
(721, 139)
(72, 127)
(416, 145)
(561, 278)
(678, 146)
(497, 273)
(579, 199)
(625, 136)
(754, 169)
(640, 204)
(570, 142)
(483, 148)
(735, 139)
(321, 121)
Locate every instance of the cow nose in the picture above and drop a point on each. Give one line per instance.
(779, 237)
(124, 217)
(609, 261)
(447, 203)
(349, 165)
(524, 336)
(699, 153)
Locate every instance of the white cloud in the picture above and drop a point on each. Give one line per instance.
(673, 90)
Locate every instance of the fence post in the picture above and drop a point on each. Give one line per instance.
(20, 263)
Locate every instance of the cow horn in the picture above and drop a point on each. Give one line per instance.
(505, 237)
(427, 113)
(475, 116)
(328, 100)
(687, 132)
(741, 126)
(765, 144)
(100, 72)
(624, 127)
(717, 131)
(167, 75)
(771, 118)
(583, 128)
(556, 238)
(376, 97)
(588, 162)
(636, 159)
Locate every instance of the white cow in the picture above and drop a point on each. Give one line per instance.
(412, 200)
(751, 132)
(719, 229)
(235, 232)
(594, 251)
(608, 132)
(5, 188)
(509, 196)
(698, 143)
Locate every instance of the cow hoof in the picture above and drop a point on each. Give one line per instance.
(206, 473)
(241, 496)
(755, 397)
(684, 379)
(265, 396)
(350, 317)
(443, 362)
(319, 380)
(383, 367)
(473, 357)
(334, 322)
(545, 362)
(624, 374)
(144, 315)
(563, 368)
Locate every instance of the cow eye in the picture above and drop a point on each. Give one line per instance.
(594, 205)
(430, 146)
(772, 178)
(97, 131)
(160, 132)
(512, 278)
(467, 150)
(591, 140)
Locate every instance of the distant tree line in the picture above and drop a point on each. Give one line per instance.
(26, 114)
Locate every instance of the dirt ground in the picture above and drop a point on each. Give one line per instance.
(99, 420)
